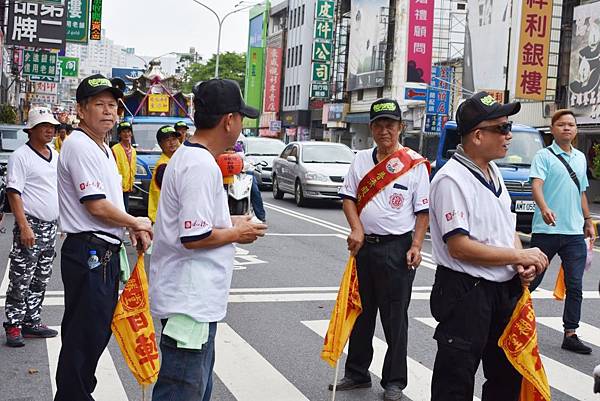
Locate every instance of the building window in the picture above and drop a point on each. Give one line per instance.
(297, 94)
(302, 14)
(295, 56)
(295, 17)
(380, 92)
(285, 97)
(287, 61)
(300, 56)
(293, 95)
(290, 20)
(360, 94)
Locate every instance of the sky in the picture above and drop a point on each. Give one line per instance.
(155, 27)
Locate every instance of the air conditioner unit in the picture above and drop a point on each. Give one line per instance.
(549, 109)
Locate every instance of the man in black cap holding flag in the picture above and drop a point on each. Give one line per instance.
(481, 265)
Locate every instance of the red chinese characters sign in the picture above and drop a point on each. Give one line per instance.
(420, 35)
(534, 47)
(272, 79)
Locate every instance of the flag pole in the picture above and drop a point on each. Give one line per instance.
(335, 380)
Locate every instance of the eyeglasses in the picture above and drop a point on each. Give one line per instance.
(503, 129)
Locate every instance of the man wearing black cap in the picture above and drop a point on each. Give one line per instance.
(126, 158)
(94, 218)
(481, 264)
(385, 197)
(167, 139)
(182, 130)
(192, 258)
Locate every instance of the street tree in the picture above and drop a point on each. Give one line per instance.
(232, 65)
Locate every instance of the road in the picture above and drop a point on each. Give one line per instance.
(283, 290)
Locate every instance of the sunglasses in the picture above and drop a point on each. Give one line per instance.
(503, 129)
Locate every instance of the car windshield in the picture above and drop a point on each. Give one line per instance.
(264, 148)
(327, 154)
(523, 147)
(144, 136)
(12, 138)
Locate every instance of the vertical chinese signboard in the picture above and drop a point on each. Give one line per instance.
(534, 44)
(438, 98)
(36, 25)
(272, 79)
(96, 20)
(254, 89)
(322, 49)
(78, 12)
(420, 37)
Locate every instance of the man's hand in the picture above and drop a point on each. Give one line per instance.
(532, 257)
(413, 257)
(549, 217)
(527, 275)
(355, 240)
(141, 240)
(248, 232)
(589, 231)
(142, 224)
(27, 236)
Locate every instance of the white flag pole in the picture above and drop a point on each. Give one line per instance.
(335, 380)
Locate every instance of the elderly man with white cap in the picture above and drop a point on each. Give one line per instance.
(33, 197)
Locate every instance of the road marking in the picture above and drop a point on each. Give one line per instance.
(419, 376)
(4, 283)
(301, 235)
(109, 387)
(298, 214)
(561, 377)
(246, 374)
(586, 332)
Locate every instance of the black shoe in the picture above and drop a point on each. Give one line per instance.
(349, 384)
(38, 331)
(392, 393)
(13, 336)
(574, 344)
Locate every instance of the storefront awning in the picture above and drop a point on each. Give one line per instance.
(357, 118)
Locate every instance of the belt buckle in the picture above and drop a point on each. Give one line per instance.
(372, 239)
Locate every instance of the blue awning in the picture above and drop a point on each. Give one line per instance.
(357, 118)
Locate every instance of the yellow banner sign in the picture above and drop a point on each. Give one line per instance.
(158, 103)
(534, 48)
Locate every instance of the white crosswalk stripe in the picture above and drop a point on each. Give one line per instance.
(560, 376)
(586, 332)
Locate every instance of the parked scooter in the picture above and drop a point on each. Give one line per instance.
(239, 192)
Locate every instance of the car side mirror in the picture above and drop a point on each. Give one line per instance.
(292, 159)
(450, 153)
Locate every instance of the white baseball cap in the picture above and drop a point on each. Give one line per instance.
(40, 115)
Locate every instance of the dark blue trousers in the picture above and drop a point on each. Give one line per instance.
(90, 300)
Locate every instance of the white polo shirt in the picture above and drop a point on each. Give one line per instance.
(193, 282)
(462, 202)
(34, 177)
(393, 209)
(87, 172)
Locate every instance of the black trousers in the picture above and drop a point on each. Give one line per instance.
(90, 300)
(472, 314)
(385, 284)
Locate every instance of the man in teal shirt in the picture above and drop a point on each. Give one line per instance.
(562, 217)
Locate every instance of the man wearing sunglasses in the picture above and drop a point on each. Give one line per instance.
(481, 264)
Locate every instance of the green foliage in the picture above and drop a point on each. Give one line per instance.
(596, 161)
(231, 66)
(8, 114)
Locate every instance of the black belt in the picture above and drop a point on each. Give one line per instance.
(93, 239)
(382, 239)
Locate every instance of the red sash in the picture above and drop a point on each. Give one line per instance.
(385, 172)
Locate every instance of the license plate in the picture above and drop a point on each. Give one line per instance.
(524, 206)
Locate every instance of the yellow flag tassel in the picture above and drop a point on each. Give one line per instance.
(560, 290)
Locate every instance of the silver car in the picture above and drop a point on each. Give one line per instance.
(311, 170)
(259, 150)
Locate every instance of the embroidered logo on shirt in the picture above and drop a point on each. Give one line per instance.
(396, 201)
(394, 165)
(453, 214)
(425, 201)
(189, 224)
(96, 184)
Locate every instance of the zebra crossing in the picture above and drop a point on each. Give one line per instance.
(249, 376)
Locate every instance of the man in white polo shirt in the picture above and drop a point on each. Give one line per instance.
(33, 199)
(481, 264)
(387, 252)
(192, 258)
(94, 218)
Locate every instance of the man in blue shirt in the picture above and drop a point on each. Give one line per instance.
(562, 217)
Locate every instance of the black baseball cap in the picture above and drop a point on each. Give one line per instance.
(164, 132)
(385, 108)
(95, 84)
(481, 107)
(180, 124)
(123, 125)
(221, 96)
